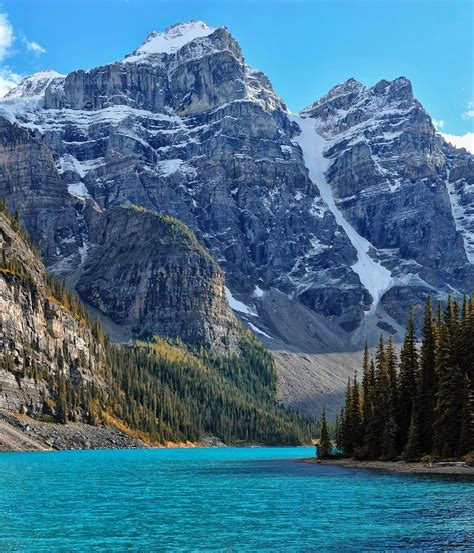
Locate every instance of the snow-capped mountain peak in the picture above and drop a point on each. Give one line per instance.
(173, 38)
(34, 85)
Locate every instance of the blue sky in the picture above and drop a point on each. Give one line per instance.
(305, 47)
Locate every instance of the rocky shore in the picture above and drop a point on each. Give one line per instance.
(22, 433)
(441, 468)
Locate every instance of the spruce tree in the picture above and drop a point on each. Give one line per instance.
(347, 427)
(340, 432)
(392, 363)
(449, 399)
(356, 417)
(367, 399)
(466, 439)
(467, 338)
(407, 387)
(453, 325)
(411, 451)
(325, 446)
(390, 429)
(426, 396)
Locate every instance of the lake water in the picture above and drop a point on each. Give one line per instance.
(242, 499)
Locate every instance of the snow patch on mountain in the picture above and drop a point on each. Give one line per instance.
(258, 331)
(460, 219)
(238, 305)
(374, 277)
(34, 85)
(172, 39)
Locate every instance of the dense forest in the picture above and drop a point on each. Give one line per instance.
(158, 390)
(421, 405)
(162, 391)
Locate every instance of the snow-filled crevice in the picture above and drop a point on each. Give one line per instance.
(460, 219)
(238, 305)
(374, 277)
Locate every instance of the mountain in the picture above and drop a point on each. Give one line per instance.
(57, 366)
(327, 224)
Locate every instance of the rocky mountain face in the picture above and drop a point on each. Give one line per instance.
(148, 271)
(39, 336)
(400, 186)
(327, 224)
(142, 270)
(30, 182)
(57, 366)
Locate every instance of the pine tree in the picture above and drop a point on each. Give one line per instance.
(466, 439)
(325, 446)
(449, 399)
(340, 431)
(426, 396)
(392, 363)
(352, 427)
(356, 416)
(467, 337)
(390, 429)
(347, 436)
(367, 399)
(438, 386)
(411, 451)
(451, 320)
(407, 388)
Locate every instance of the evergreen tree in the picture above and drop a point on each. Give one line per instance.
(390, 427)
(426, 396)
(466, 345)
(438, 386)
(392, 363)
(412, 447)
(352, 433)
(325, 446)
(466, 439)
(347, 425)
(340, 431)
(355, 416)
(407, 388)
(449, 399)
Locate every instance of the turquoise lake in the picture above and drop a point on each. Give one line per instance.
(235, 499)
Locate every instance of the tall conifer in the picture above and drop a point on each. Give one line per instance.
(407, 379)
(426, 397)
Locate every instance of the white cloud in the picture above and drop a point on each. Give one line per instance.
(438, 123)
(6, 36)
(469, 113)
(8, 80)
(465, 141)
(34, 47)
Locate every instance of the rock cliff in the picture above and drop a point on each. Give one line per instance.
(43, 334)
(148, 271)
(327, 224)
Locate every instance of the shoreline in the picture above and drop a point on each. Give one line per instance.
(22, 434)
(398, 467)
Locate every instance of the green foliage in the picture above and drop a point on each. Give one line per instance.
(181, 235)
(427, 407)
(181, 395)
(159, 390)
(407, 383)
(16, 225)
(324, 448)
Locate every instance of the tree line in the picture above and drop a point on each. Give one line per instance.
(421, 404)
(158, 390)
